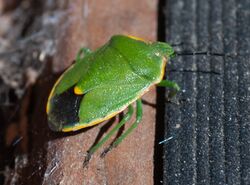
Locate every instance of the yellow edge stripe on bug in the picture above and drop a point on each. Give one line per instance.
(164, 63)
(53, 89)
(136, 38)
(97, 121)
(50, 95)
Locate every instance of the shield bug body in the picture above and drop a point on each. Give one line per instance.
(103, 83)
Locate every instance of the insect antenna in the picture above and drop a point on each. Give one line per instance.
(204, 53)
(177, 44)
(207, 53)
(195, 71)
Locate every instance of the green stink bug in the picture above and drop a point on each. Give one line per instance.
(103, 83)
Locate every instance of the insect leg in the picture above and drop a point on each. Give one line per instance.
(117, 127)
(170, 84)
(82, 53)
(139, 113)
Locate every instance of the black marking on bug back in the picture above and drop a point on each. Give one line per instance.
(64, 110)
